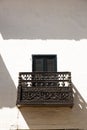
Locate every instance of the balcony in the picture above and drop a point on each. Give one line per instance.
(45, 89)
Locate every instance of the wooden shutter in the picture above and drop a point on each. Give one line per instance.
(44, 63)
(51, 65)
(39, 65)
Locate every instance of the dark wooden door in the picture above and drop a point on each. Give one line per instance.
(44, 63)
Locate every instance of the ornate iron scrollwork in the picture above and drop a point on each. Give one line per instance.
(45, 88)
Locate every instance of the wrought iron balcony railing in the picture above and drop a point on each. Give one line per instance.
(45, 88)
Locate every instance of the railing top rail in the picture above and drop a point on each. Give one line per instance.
(45, 79)
(64, 72)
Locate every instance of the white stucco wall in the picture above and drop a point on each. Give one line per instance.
(16, 57)
(42, 27)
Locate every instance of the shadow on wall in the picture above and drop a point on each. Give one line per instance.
(51, 19)
(78, 100)
(57, 117)
(7, 87)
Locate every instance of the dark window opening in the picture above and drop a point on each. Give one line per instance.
(44, 63)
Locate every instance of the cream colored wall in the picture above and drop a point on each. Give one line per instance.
(42, 27)
(16, 57)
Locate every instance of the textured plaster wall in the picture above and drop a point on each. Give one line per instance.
(60, 27)
(16, 57)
